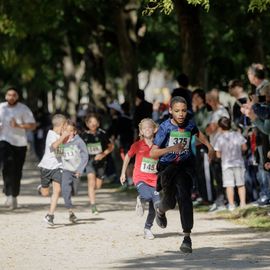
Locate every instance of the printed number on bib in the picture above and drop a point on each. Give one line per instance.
(59, 151)
(94, 148)
(180, 137)
(69, 152)
(149, 165)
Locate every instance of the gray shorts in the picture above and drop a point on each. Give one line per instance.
(96, 168)
(234, 176)
(47, 176)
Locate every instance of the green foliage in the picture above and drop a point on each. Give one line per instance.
(260, 5)
(165, 6)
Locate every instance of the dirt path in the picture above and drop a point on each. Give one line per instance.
(113, 239)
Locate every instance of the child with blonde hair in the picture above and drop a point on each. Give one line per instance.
(144, 173)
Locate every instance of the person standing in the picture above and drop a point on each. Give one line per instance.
(15, 118)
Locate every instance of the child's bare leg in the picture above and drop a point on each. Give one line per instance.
(242, 195)
(98, 183)
(230, 195)
(45, 191)
(55, 196)
(91, 178)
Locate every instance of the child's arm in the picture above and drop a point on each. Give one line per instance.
(59, 141)
(106, 152)
(124, 168)
(157, 152)
(203, 140)
(218, 154)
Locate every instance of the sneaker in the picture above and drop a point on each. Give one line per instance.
(72, 218)
(148, 234)
(139, 207)
(231, 207)
(49, 219)
(213, 207)
(39, 189)
(263, 201)
(94, 210)
(8, 201)
(14, 203)
(186, 246)
(161, 219)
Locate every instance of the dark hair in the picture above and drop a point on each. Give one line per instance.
(234, 83)
(140, 94)
(224, 123)
(92, 115)
(125, 107)
(200, 92)
(177, 99)
(183, 80)
(258, 71)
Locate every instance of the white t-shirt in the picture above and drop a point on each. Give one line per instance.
(214, 117)
(50, 159)
(229, 144)
(22, 115)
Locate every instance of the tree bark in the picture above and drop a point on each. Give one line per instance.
(191, 41)
(125, 19)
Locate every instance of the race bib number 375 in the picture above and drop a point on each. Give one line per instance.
(149, 165)
(180, 137)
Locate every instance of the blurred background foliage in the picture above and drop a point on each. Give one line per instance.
(97, 48)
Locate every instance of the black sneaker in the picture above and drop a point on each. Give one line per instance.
(49, 219)
(186, 245)
(72, 218)
(161, 219)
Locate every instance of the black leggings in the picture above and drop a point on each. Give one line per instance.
(12, 159)
(176, 182)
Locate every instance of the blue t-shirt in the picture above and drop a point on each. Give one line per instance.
(169, 134)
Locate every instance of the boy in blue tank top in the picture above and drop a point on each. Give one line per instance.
(172, 145)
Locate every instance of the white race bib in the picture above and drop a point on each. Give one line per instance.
(69, 152)
(180, 137)
(94, 148)
(149, 165)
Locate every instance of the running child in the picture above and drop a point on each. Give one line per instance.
(51, 166)
(74, 158)
(229, 147)
(172, 145)
(144, 173)
(98, 146)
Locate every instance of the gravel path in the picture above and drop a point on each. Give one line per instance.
(114, 238)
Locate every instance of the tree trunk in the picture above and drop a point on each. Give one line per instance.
(94, 61)
(73, 75)
(191, 40)
(125, 19)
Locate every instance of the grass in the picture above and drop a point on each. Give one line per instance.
(251, 216)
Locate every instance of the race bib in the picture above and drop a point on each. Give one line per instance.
(94, 148)
(59, 151)
(180, 137)
(149, 165)
(69, 152)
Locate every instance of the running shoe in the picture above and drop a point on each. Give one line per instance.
(49, 219)
(72, 218)
(161, 219)
(148, 234)
(94, 210)
(186, 246)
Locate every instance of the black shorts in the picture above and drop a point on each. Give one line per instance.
(47, 176)
(96, 167)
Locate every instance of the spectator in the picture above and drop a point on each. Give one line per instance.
(15, 119)
(143, 108)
